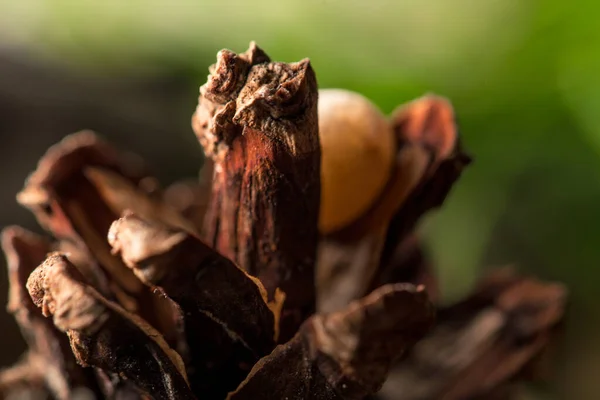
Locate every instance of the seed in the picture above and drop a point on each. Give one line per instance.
(358, 148)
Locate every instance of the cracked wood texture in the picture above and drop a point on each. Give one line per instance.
(257, 120)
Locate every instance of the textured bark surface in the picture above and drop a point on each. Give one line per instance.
(257, 120)
(228, 323)
(429, 159)
(346, 354)
(482, 344)
(104, 335)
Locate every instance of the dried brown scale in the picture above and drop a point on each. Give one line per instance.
(345, 269)
(357, 258)
(409, 169)
(59, 194)
(257, 120)
(121, 194)
(428, 122)
(482, 343)
(228, 324)
(343, 355)
(71, 205)
(24, 252)
(191, 198)
(115, 388)
(60, 169)
(24, 379)
(104, 335)
(410, 263)
(85, 263)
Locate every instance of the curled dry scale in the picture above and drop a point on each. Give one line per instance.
(297, 276)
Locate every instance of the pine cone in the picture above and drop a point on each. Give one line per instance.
(233, 292)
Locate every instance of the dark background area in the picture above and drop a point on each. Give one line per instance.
(522, 74)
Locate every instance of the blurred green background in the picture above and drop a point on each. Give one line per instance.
(524, 76)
